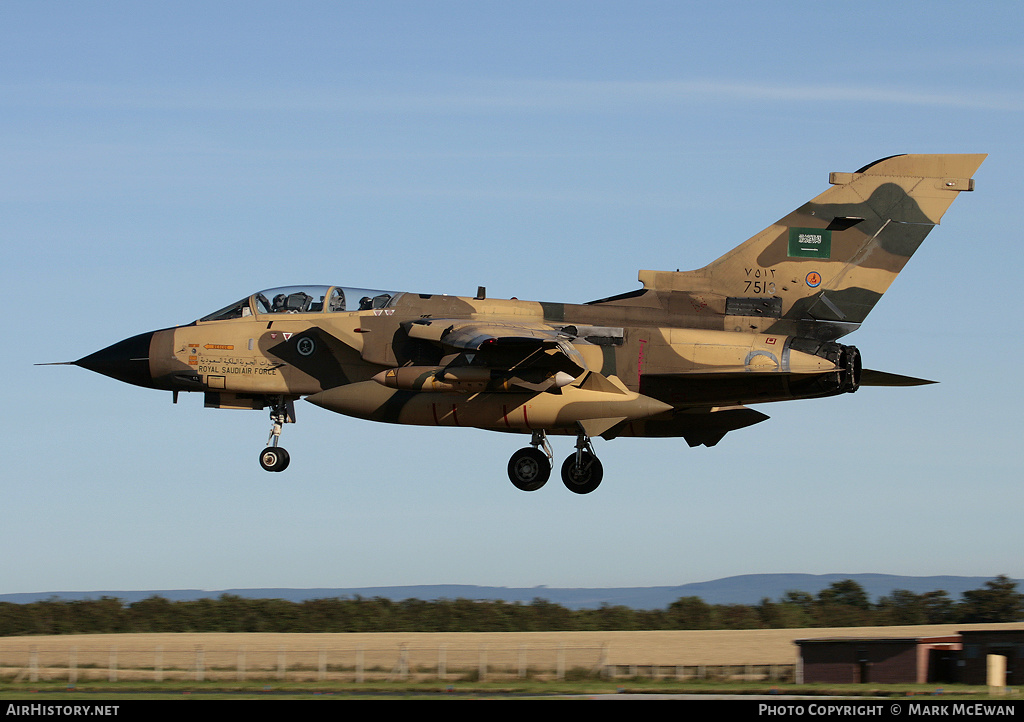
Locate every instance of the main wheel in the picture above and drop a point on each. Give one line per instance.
(585, 477)
(274, 458)
(529, 469)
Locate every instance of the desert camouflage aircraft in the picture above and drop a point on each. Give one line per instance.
(681, 356)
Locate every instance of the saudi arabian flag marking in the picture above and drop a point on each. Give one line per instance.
(810, 243)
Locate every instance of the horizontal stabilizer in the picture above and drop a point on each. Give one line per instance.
(882, 378)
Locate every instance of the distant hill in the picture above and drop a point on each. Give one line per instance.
(743, 589)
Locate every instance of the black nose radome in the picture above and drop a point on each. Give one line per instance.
(126, 360)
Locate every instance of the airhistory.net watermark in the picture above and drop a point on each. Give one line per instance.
(61, 710)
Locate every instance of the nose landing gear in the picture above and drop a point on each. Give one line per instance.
(274, 457)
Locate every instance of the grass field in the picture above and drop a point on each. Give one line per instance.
(137, 656)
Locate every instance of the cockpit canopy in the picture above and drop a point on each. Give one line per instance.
(306, 299)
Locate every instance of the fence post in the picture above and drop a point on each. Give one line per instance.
(402, 666)
(280, 663)
(442, 661)
(33, 664)
(322, 673)
(482, 671)
(200, 664)
(560, 664)
(240, 664)
(522, 661)
(359, 664)
(73, 666)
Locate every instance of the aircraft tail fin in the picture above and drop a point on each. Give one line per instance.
(819, 270)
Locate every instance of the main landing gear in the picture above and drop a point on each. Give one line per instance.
(530, 467)
(274, 457)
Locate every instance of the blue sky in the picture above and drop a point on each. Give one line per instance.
(163, 160)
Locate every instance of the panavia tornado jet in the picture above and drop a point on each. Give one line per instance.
(683, 356)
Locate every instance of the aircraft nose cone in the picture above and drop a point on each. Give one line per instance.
(126, 360)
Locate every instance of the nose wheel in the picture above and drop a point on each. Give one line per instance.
(274, 457)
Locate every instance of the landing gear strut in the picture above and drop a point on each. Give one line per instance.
(530, 467)
(582, 471)
(274, 457)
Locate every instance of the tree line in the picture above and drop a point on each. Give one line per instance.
(841, 604)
